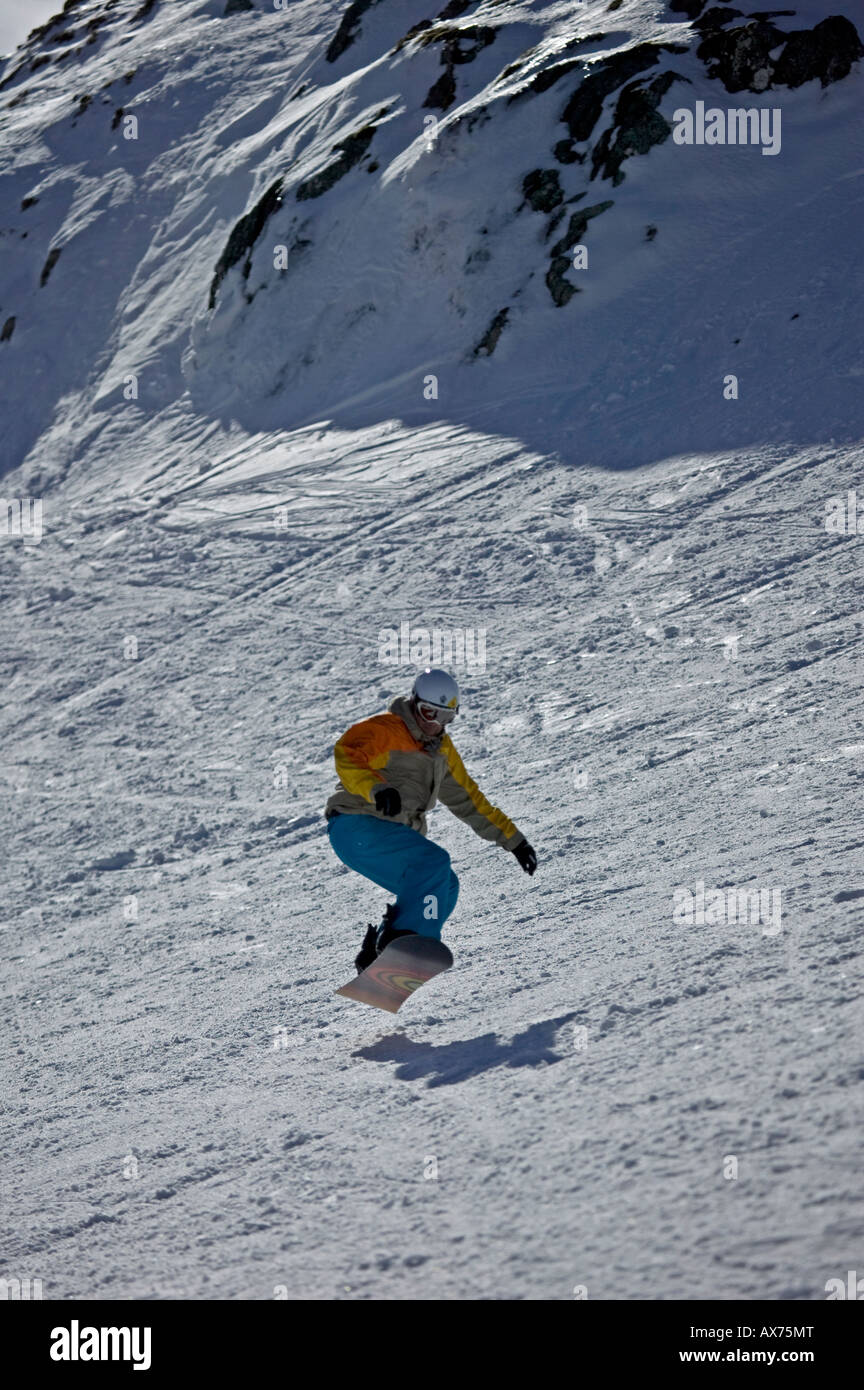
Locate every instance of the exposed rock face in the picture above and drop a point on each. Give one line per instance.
(636, 126)
(585, 106)
(351, 151)
(542, 189)
(487, 343)
(349, 29)
(53, 258)
(740, 57)
(565, 153)
(719, 15)
(560, 289)
(244, 236)
(546, 78)
(458, 46)
(826, 51)
(735, 47)
(442, 94)
(690, 8)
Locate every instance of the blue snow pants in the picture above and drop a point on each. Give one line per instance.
(405, 863)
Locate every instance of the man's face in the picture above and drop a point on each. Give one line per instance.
(432, 718)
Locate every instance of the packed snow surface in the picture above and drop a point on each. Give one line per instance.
(601, 1098)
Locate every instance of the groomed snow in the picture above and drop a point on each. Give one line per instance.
(671, 691)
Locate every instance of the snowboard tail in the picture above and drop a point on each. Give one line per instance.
(402, 967)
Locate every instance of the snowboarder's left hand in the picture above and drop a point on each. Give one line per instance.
(388, 801)
(526, 856)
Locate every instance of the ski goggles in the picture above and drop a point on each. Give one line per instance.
(436, 714)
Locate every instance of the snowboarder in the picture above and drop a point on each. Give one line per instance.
(392, 769)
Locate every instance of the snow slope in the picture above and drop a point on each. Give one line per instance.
(671, 692)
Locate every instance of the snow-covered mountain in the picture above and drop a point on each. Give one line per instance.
(320, 322)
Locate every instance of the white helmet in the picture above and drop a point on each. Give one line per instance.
(435, 699)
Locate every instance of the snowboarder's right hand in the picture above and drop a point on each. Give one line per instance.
(388, 801)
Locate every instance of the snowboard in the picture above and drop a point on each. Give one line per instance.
(403, 966)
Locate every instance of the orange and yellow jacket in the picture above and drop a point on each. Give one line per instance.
(390, 750)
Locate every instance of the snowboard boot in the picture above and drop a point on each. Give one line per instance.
(367, 952)
(388, 931)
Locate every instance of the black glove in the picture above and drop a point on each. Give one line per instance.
(388, 801)
(526, 856)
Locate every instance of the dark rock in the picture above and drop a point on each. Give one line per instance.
(7, 330)
(442, 93)
(560, 289)
(739, 57)
(28, 203)
(565, 153)
(636, 126)
(412, 33)
(245, 234)
(578, 227)
(488, 342)
(351, 151)
(53, 258)
(585, 106)
(689, 7)
(477, 37)
(238, 6)
(349, 29)
(826, 51)
(542, 189)
(42, 29)
(546, 78)
(555, 219)
(455, 9)
(716, 18)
